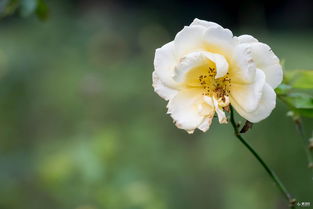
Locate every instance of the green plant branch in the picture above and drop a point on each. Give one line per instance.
(298, 123)
(271, 173)
(299, 128)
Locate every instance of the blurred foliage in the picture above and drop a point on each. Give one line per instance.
(300, 79)
(24, 8)
(81, 127)
(296, 91)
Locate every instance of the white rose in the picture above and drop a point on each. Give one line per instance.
(206, 68)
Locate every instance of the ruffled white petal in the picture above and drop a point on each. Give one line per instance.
(204, 23)
(242, 65)
(209, 101)
(220, 40)
(265, 59)
(207, 110)
(164, 64)
(221, 64)
(204, 36)
(268, 62)
(247, 39)
(219, 111)
(185, 111)
(197, 59)
(161, 89)
(188, 40)
(248, 95)
(264, 109)
(205, 124)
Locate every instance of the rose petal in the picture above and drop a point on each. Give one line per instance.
(161, 89)
(184, 109)
(219, 111)
(219, 40)
(198, 37)
(188, 40)
(196, 59)
(265, 59)
(164, 64)
(248, 95)
(204, 23)
(247, 39)
(268, 62)
(266, 105)
(242, 65)
(205, 124)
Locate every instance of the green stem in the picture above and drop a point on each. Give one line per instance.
(271, 173)
(299, 127)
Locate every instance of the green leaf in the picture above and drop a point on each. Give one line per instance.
(283, 89)
(300, 103)
(301, 79)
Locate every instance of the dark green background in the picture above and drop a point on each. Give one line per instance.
(81, 128)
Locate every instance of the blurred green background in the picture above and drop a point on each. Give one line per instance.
(81, 128)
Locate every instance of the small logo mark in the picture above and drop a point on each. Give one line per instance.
(304, 204)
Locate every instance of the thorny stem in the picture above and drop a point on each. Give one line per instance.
(271, 173)
(299, 127)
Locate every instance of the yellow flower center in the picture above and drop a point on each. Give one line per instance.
(215, 87)
(204, 77)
